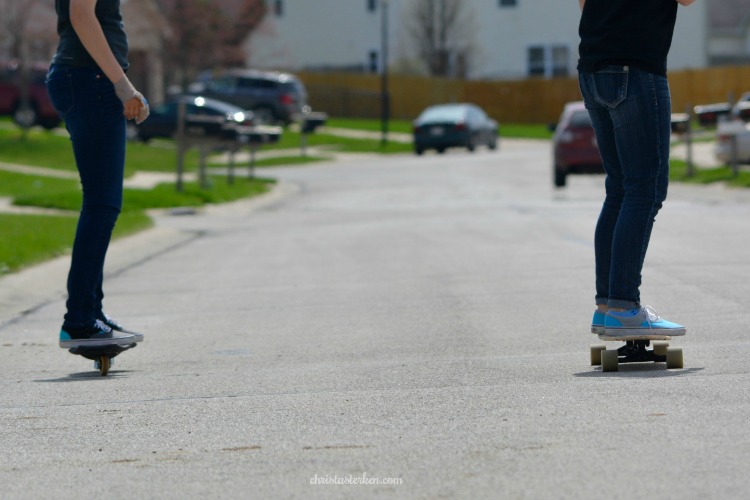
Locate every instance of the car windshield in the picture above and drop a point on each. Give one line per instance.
(443, 114)
(580, 119)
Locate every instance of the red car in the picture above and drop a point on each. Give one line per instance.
(41, 111)
(575, 147)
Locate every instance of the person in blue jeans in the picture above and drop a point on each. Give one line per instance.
(623, 80)
(89, 89)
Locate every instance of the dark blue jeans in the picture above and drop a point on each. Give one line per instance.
(631, 112)
(86, 100)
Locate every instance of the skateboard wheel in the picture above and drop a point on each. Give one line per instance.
(610, 360)
(103, 364)
(660, 347)
(596, 354)
(674, 358)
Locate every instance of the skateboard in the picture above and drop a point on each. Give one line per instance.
(636, 350)
(102, 356)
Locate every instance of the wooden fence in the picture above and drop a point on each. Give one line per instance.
(348, 95)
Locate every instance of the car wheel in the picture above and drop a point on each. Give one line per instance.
(470, 145)
(419, 151)
(441, 150)
(560, 177)
(25, 117)
(493, 143)
(131, 132)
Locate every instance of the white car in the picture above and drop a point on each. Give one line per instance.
(733, 138)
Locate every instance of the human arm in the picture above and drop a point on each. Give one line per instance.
(581, 2)
(685, 2)
(89, 31)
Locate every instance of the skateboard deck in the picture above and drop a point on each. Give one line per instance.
(103, 356)
(636, 350)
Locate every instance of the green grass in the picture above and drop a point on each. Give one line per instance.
(66, 195)
(291, 140)
(679, 172)
(48, 149)
(401, 126)
(36, 238)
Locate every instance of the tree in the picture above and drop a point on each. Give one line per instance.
(443, 35)
(208, 34)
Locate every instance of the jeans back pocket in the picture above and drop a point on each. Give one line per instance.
(611, 85)
(60, 90)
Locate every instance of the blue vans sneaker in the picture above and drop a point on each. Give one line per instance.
(95, 335)
(597, 323)
(641, 321)
(116, 326)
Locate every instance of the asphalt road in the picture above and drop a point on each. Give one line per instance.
(421, 322)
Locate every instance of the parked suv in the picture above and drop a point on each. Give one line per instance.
(40, 110)
(272, 96)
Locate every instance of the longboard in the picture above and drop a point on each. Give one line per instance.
(636, 350)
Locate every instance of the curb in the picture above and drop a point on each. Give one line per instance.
(33, 288)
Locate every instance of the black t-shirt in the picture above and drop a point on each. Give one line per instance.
(628, 32)
(70, 50)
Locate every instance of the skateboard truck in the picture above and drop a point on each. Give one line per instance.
(636, 350)
(102, 356)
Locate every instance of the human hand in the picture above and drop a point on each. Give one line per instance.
(135, 106)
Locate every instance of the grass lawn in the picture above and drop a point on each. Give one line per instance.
(678, 172)
(36, 238)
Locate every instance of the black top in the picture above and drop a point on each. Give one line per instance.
(70, 50)
(628, 32)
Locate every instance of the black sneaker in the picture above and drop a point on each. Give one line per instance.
(116, 326)
(97, 334)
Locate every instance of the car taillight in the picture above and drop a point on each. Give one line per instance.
(416, 129)
(460, 126)
(286, 99)
(724, 138)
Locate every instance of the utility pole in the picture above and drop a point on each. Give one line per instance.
(384, 94)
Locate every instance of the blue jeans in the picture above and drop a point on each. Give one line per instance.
(85, 98)
(631, 113)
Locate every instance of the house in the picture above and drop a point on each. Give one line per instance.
(497, 38)
(729, 22)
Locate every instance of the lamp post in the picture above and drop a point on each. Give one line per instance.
(384, 95)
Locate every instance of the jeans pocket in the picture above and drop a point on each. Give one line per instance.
(611, 85)
(60, 89)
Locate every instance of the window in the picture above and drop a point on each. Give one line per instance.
(508, 3)
(373, 61)
(548, 60)
(536, 61)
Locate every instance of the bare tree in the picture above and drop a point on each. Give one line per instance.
(443, 35)
(208, 35)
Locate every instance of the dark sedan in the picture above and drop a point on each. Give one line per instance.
(454, 125)
(163, 119)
